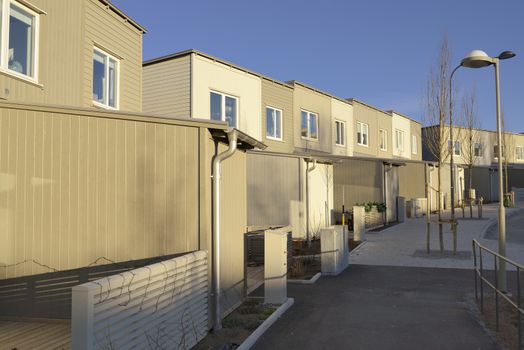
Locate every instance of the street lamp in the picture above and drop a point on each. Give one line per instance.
(479, 59)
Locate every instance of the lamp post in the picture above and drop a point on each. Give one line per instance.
(452, 150)
(479, 59)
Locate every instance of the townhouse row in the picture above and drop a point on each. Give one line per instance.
(290, 117)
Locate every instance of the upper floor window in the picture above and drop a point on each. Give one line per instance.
(399, 140)
(383, 140)
(456, 149)
(309, 125)
(414, 146)
(224, 107)
(340, 133)
(478, 149)
(105, 79)
(362, 134)
(519, 153)
(273, 123)
(19, 39)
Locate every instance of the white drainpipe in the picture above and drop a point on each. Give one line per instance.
(233, 138)
(308, 170)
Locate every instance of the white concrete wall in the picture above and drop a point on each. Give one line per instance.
(343, 112)
(320, 197)
(208, 75)
(403, 124)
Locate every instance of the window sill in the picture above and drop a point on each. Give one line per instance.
(308, 139)
(274, 139)
(340, 145)
(103, 106)
(21, 78)
(362, 145)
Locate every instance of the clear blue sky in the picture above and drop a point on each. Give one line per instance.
(379, 51)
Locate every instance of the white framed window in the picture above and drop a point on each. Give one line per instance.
(224, 108)
(519, 153)
(456, 149)
(414, 146)
(383, 137)
(309, 125)
(362, 134)
(340, 133)
(478, 149)
(399, 140)
(19, 40)
(105, 79)
(273, 123)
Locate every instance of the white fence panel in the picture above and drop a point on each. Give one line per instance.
(159, 306)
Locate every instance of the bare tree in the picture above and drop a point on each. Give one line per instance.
(437, 104)
(471, 135)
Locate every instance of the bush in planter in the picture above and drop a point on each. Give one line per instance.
(381, 207)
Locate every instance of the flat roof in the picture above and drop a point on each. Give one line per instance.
(479, 129)
(121, 13)
(293, 82)
(353, 100)
(391, 111)
(213, 58)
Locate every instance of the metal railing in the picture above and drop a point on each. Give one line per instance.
(481, 279)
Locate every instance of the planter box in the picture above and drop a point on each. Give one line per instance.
(374, 218)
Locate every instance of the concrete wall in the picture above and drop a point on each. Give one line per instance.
(68, 32)
(342, 111)
(278, 96)
(208, 75)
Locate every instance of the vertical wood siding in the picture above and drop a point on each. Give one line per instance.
(357, 181)
(412, 180)
(281, 97)
(167, 87)
(107, 30)
(74, 188)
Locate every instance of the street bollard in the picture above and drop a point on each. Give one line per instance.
(479, 207)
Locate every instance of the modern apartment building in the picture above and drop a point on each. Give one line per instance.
(478, 149)
(70, 53)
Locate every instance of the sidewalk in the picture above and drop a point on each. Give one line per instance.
(381, 307)
(405, 244)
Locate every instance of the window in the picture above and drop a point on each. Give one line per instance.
(496, 151)
(399, 140)
(273, 123)
(340, 131)
(456, 149)
(19, 39)
(383, 140)
(414, 147)
(105, 79)
(224, 108)
(519, 153)
(478, 149)
(362, 134)
(309, 125)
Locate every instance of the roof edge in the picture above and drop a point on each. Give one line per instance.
(123, 15)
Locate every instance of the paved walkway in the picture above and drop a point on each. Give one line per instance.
(404, 244)
(379, 307)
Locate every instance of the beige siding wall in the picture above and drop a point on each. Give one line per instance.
(357, 181)
(273, 190)
(60, 55)
(167, 87)
(342, 111)
(312, 101)
(106, 30)
(281, 97)
(75, 187)
(68, 32)
(376, 120)
(412, 180)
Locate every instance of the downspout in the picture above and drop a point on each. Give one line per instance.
(217, 160)
(308, 170)
(387, 167)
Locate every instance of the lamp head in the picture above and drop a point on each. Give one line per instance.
(506, 54)
(476, 59)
